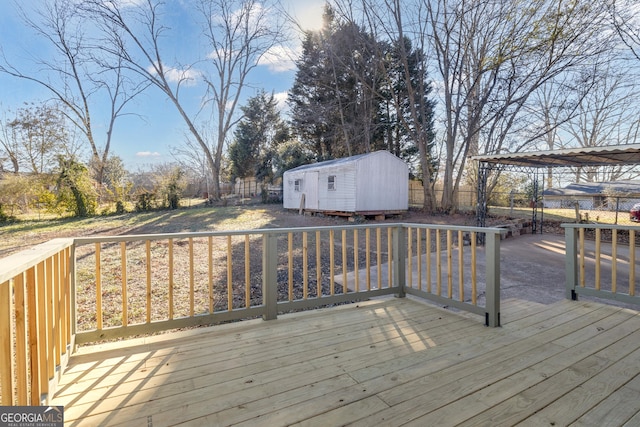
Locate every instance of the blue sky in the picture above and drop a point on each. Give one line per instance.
(144, 138)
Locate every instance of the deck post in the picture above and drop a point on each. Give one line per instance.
(492, 252)
(270, 276)
(571, 262)
(399, 260)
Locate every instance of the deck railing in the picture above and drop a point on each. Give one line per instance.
(90, 289)
(36, 318)
(594, 251)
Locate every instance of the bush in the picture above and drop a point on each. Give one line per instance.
(120, 209)
(145, 201)
(4, 218)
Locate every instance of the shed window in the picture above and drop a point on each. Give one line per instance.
(297, 185)
(332, 182)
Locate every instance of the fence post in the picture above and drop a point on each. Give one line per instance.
(492, 252)
(571, 262)
(270, 276)
(399, 260)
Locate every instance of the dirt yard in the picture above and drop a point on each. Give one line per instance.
(23, 235)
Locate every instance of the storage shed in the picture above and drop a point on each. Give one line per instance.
(367, 184)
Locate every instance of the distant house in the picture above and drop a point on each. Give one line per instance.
(594, 195)
(366, 184)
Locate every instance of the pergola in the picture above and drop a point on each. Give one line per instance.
(533, 162)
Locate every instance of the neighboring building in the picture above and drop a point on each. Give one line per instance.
(367, 184)
(620, 195)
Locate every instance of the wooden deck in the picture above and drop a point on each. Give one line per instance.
(383, 362)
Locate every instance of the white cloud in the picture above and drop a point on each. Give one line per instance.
(281, 99)
(186, 76)
(308, 13)
(148, 154)
(279, 59)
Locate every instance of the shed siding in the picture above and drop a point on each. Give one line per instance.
(343, 197)
(383, 183)
(374, 182)
(291, 197)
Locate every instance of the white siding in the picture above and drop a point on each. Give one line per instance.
(291, 197)
(383, 183)
(374, 182)
(342, 198)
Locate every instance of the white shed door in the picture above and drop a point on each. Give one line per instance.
(311, 190)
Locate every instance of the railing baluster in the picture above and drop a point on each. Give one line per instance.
(56, 282)
(356, 268)
(409, 257)
(379, 255)
(367, 256)
(438, 263)
(390, 256)
(474, 275)
(229, 275)
(449, 265)
(35, 344)
(419, 253)
(171, 283)
(332, 260)
(614, 260)
(50, 311)
(427, 247)
(123, 255)
(460, 266)
(20, 291)
(192, 287)
(318, 265)
(582, 257)
(598, 248)
(247, 271)
(148, 271)
(344, 261)
(98, 286)
(7, 373)
(632, 262)
(290, 263)
(305, 265)
(210, 274)
(41, 288)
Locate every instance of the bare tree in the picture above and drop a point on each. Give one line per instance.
(492, 57)
(608, 115)
(238, 34)
(626, 22)
(75, 76)
(9, 146)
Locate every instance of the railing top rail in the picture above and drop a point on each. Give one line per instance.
(601, 226)
(15, 264)
(261, 231)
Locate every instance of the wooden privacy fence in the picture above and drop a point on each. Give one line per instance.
(89, 289)
(601, 261)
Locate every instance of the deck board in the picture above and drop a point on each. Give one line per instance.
(382, 362)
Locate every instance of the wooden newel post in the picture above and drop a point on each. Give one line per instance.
(399, 264)
(571, 262)
(492, 249)
(270, 276)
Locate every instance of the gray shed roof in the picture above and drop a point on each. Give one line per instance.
(343, 160)
(593, 156)
(628, 187)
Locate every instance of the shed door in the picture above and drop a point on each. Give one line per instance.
(311, 190)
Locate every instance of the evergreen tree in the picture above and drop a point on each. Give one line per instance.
(351, 95)
(257, 137)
